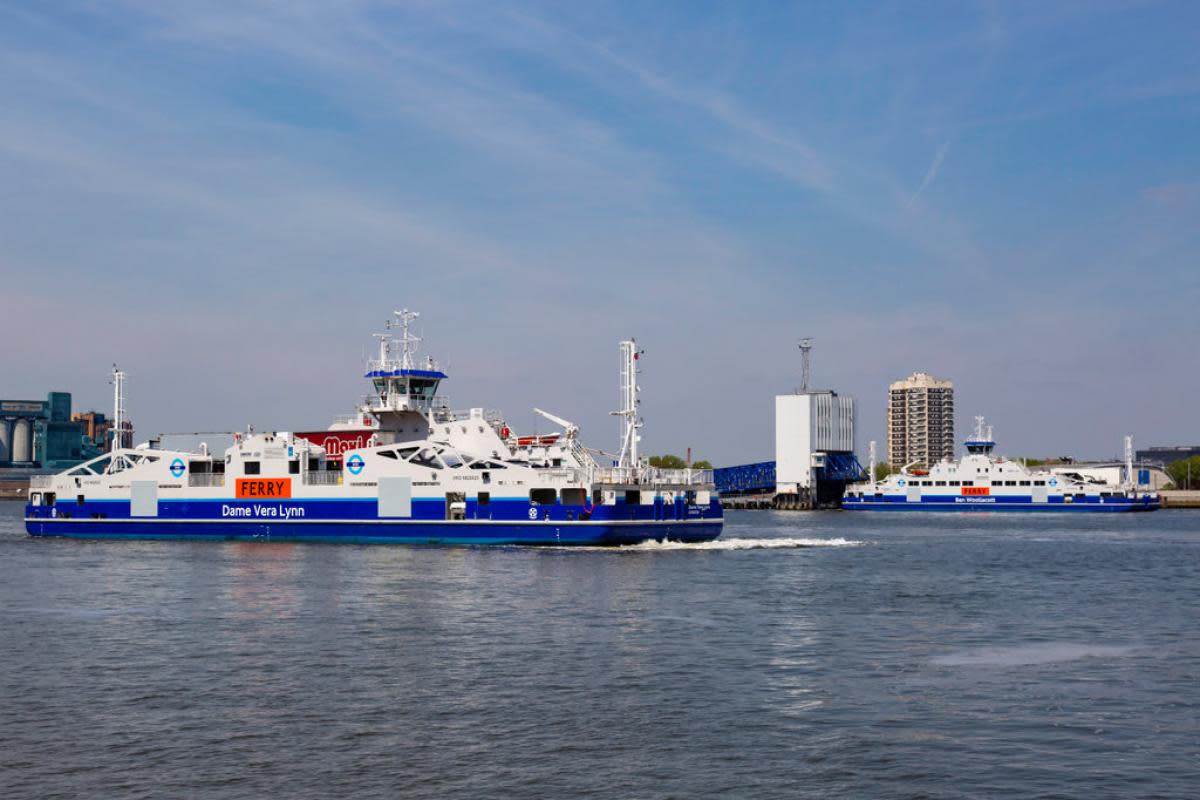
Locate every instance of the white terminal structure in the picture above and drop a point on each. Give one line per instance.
(814, 440)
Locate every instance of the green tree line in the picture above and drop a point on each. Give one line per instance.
(675, 462)
(1180, 475)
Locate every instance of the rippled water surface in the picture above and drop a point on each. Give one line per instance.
(821, 654)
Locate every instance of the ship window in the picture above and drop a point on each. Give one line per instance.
(597, 497)
(997, 483)
(1039, 483)
(1106, 494)
(484, 498)
(314, 464)
(50, 497)
(426, 458)
(953, 483)
(388, 454)
(1024, 483)
(251, 468)
(939, 483)
(632, 497)
(487, 465)
(1010, 483)
(574, 497)
(406, 452)
(451, 459)
(78, 499)
(294, 467)
(542, 497)
(968, 483)
(35, 499)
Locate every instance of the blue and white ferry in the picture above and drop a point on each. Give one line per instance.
(425, 475)
(983, 482)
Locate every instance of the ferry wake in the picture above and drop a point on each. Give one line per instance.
(418, 472)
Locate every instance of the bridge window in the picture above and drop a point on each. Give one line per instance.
(426, 458)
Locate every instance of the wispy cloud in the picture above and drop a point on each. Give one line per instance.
(931, 174)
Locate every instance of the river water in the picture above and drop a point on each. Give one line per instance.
(827, 654)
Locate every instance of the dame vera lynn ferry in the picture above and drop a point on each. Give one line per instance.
(426, 475)
(981, 482)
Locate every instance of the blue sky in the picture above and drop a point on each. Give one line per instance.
(229, 198)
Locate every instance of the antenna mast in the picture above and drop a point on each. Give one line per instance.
(806, 345)
(118, 428)
(630, 421)
(408, 342)
(1129, 481)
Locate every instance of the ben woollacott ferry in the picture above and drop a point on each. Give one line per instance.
(425, 475)
(981, 482)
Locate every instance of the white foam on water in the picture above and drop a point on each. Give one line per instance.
(789, 543)
(1029, 654)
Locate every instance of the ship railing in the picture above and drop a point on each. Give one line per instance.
(323, 478)
(490, 416)
(653, 475)
(41, 481)
(569, 474)
(206, 479)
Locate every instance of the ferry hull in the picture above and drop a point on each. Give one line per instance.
(447, 533)
(357, 522)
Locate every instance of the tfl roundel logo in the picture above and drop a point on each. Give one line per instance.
(355, 464)
(178, 467)
(901, 482)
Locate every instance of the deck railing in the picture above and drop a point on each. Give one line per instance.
(653, 476)
(323, 478)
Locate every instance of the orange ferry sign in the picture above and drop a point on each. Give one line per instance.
(264, 488)
(976, 490)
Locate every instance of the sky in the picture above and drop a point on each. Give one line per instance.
(229, 198)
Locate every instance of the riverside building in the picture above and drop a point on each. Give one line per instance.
(920, 420)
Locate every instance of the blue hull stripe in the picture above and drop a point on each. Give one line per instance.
(382, 531)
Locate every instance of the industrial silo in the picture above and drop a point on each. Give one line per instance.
(22, 440)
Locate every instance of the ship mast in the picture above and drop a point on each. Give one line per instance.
(118, 427)
(630, 422)
(408, 342)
